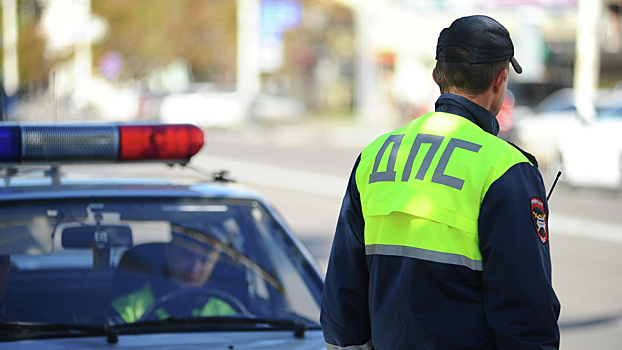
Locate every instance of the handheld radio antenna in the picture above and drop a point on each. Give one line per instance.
(559, 173)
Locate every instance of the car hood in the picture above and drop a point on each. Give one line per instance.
(274, 340)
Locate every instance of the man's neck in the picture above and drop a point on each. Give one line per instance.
(462, 106)
(485, 100)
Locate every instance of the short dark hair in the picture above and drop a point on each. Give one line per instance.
(472, 79)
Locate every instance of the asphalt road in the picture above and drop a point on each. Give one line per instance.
(304, 174)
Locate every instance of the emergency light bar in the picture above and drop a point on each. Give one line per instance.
(88, 143)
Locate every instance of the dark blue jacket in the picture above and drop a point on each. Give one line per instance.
(407, 303)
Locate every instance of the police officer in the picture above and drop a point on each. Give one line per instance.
(183, 268)
(442, 239)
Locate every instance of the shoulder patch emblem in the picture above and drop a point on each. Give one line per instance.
(540, 220)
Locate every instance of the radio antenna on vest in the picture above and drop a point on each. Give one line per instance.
(559, 173)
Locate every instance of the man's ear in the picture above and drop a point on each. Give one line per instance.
(434, 76)
(500, 78)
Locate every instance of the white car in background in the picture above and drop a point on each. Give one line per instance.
(276, 109)
(591, 155)
(204, 108)
(537, 131)
(558, 114)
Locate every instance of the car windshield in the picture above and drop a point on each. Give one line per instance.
(559, 101)
(124, 261)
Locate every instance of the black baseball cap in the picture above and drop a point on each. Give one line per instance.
(485, 39)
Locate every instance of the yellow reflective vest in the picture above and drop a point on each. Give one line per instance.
(422, 186)
(132, 306)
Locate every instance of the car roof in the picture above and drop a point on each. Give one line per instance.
(566, 97)
(118, 181)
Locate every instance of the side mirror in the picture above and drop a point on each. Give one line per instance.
(113, 236)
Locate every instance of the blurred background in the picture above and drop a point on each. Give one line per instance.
(290, 91)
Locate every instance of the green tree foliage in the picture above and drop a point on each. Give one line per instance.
(152, 33)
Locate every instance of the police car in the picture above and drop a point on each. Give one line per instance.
(92, 256)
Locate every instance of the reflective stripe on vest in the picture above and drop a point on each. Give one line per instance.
(422, 187)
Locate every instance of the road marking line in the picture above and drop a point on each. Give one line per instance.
(271, 175)
(565, 225)
(335, 186)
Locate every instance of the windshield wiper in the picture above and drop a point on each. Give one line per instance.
(299, 326)
(30, 330)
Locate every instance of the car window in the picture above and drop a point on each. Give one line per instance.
(569, 109)
(560, 101)
(610, 113)
(123, 261)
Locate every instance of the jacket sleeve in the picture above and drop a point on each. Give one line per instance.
(520, 304)
(345, 310)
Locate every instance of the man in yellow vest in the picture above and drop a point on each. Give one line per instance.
(185, 266)
(442, 239)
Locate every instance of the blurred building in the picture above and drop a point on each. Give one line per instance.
(544, 33)
(319, 58)
(369, 58)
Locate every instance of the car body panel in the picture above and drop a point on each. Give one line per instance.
(253, 340)
(559, 113)
(538, 133)
(591, 155)
(18, 189)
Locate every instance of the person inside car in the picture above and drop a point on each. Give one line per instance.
(156, 271)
